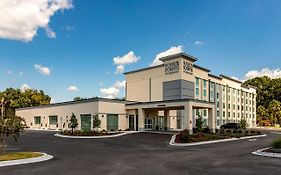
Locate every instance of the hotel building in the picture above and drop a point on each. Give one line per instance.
(170, 96)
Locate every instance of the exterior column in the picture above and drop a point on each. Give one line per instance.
(187, 119)
(211, 120)
(141, 117)
(167, 116)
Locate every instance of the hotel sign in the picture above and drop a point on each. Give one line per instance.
(171, 68)
(187, 67)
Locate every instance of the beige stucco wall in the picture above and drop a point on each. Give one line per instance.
(64, 112)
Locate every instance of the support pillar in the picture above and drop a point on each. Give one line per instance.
(167, 118)
(141, 117)
(187, 119)
(211, 120)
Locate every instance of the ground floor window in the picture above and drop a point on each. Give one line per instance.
(85, 122)
(112, 122)
(37, 120)
(53, 120)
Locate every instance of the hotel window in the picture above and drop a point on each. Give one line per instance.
(246, 101)
(218, 113)
(197, 87)
(204, 88)
(246, 108)
(238, 115)
(53, 120)
(223, 105)
(249, 101)
(223, 114)
(218, 104)
(233, 114)
(205, 112)
(242, 107)
(218, 122)
(212, 91)
(37, 120)
(228, 114)
(238, 107)
(228, 106)
(233, 106)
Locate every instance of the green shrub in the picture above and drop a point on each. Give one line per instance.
(206, 130)
(276, 143)
(184, 136)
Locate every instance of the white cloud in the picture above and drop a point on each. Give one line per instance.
(120, 69)
(126, 59)
(43, 70)
(72, 89)
(20, 20)
(20, 73)
(24, 87)
(198, 43)
(9, 72)
(113, 91)
(272, 73)
(121, 61)
(50, 32)
(171, 51)
(68, 28)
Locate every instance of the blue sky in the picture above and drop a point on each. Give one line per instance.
(229, 37)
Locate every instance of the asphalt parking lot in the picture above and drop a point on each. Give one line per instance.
(141, 153)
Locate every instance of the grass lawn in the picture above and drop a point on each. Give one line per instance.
(18, 155)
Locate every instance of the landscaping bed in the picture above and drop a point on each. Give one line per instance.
(18, 155)
(205, 135)
(90, 133)
(275, 147)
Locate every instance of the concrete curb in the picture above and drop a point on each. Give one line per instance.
(42, 158)
(172, 141)
(266, 154)
(96, 137)
(275, 133)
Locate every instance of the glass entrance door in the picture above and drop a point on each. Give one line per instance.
(148, 124)
(131, 122)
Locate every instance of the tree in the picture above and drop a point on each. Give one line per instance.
(10, 125)
(274, 110)
(199, 123)
(96, 122)
(243, 124)
(73, 123)
(262, 114)
(15, 98)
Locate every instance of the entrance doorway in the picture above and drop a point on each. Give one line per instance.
(148, 124)
(85, 122)
(131, 122)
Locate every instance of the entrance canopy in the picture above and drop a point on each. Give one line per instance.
(187, 105)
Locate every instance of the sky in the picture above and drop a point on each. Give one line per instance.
(82, 47)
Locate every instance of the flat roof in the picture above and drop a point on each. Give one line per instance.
(143, 69)
(232, 79)
(174, 56)
(95, 99)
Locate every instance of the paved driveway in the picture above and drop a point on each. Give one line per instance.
(142, 153)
